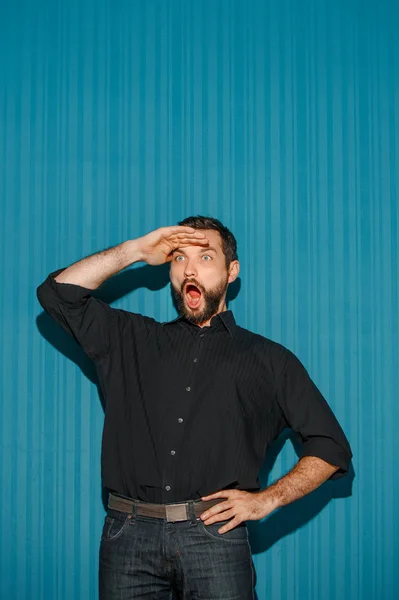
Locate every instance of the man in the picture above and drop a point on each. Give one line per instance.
(191, 407)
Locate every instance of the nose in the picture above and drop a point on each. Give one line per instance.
(190, 269)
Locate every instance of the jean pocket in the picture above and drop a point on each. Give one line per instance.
(114, 527)
(238, 534)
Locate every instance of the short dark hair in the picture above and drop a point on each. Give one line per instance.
(229, 242)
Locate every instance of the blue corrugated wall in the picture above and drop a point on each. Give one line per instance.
(282, 119)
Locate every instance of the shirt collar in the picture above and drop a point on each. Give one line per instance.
(221, 320)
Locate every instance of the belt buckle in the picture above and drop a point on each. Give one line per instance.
(176, 512)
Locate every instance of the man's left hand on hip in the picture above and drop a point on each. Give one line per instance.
(239, 506)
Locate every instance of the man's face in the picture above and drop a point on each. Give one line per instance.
(199, 279)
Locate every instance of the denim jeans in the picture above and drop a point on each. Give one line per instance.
(144, 557)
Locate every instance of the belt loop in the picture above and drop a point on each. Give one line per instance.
(134, 509)
(191, 512)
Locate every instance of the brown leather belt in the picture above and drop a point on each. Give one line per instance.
(170, 512)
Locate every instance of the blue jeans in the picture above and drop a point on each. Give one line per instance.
(143, 557)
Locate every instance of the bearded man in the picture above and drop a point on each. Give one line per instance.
(191, 408)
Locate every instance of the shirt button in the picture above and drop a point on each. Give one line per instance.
(167, 488)
(202, 334)
(180, 420)
(172, 452)
(188, 388)
(195, 359)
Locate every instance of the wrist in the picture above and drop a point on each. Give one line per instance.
(132, 252)
(271, 499)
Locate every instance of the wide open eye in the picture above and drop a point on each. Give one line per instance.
(207, 256)
(178, 257)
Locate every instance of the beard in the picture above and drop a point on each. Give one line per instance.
(211, 301)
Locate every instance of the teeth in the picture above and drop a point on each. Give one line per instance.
(193, 301)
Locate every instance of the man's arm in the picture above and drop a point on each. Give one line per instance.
(66, 294)
(307, 475)
(326, 452)
(92, 271)
(155, 248)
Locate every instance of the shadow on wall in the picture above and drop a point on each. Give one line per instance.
(152, 278)
(263, 534)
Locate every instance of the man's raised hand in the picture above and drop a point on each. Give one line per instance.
(157, 246)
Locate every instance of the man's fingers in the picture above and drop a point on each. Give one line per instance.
(178, 229)
(233, 523)
(183, 231)
(188, 239)
(196, 233)
(223, 494)
(223, 516)
(186, 243)
(214, 510)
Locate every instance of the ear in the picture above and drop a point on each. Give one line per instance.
(234, 269)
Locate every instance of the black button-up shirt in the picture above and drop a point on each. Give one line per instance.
(191, 410)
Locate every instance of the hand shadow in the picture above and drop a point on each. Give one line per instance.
(125, 282)
(264, 534)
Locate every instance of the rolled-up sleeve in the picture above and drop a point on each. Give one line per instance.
(308, 414)
(88, 319)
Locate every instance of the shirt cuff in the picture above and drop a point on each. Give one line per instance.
(68, 292)
(330, 451)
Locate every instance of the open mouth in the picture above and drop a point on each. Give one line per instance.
(193, 295)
